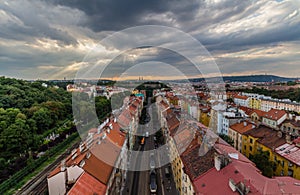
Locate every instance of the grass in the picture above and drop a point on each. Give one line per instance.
(42, 166)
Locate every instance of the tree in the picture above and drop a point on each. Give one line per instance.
(42, 119)
(227, 139)
(15, 139)
(103, 106)
(261, 159)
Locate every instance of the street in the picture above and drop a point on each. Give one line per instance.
(138, 182)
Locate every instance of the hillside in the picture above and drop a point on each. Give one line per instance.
(251, 78)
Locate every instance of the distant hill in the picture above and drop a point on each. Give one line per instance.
(257, 78)
(251, 78)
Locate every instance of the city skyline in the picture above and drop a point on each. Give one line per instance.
(49, 40)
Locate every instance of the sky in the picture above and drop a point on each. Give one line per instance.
(54, 39)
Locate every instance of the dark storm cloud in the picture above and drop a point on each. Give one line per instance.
(120, 14)
(32, 20)
(55, 33)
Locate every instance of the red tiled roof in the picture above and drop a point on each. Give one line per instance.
(247, 110)
(290, 152)
(115, 135)
(124, 119)
(54, 172)
(266, 136)
(296, 141)
(275, 114)
(194, 163)
(132, 109)
(228, 149)
(260, 113)
(97, 168)
(167, 112)
(217, 182)
(173, 123)
(103, 153)
(292, 122)
(242, 127)
(243, 97)
(87, 184)
(164, 104)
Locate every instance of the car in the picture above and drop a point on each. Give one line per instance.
(152, 161)
(153, 185)
(147, 134)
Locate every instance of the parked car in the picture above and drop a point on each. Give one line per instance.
(152, 161)
(153, 185)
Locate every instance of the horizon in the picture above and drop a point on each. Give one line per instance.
(137, 78)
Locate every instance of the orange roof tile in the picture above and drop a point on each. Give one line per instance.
(247, 110)
(242, 127)
(97, 168)
(124, 119)
(275, 114)
(260, 113)
(243, 97)
(173, 123)
(164, 104)
(87, 184)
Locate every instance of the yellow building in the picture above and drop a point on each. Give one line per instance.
(236, 131)
(204, 118)
(285, 155)
(135, 91)
(287, 159)
(254, 103)
(260, 138)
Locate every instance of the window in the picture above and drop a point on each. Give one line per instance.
(245, 147)
(251, 141)
(290, 164)
(282, 163)
(290, 173)
(250, 148)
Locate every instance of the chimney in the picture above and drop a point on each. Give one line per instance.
(288, 138)
(218, 162)
(221, 161)
(279, 134)
(245, 123)
(242, 188)
(63, 165)
(232, 185)
(81, 148)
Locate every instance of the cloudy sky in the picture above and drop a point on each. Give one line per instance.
(51, 39)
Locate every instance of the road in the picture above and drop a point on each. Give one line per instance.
(137, 182)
